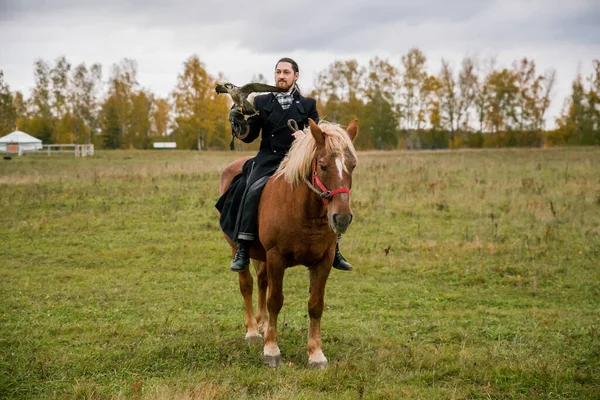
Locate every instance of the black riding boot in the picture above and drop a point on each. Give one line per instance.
(242, 256)
(339, 262)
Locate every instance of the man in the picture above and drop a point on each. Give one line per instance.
(239, 204)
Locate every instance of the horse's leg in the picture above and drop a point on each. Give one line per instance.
(318, 279)
(262, 315)
(275, 269)
(246, 282)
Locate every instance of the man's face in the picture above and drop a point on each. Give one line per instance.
(285, 75)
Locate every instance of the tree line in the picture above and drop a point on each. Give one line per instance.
(475, 104)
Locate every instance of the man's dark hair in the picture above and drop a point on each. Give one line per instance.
(288, 60)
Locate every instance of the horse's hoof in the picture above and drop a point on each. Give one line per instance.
(318, 365)
(272, 361)
(254, 339)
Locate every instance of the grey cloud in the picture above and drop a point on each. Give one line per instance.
(355, 25)
(582, 28)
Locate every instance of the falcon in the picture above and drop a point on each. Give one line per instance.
(239, 95)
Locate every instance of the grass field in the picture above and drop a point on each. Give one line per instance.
(477, 275)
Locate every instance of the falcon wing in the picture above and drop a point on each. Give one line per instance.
(259, 88)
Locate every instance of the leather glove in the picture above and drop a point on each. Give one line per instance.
(236, 116)
(239, 126)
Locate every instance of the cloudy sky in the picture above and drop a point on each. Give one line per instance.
(244, 38)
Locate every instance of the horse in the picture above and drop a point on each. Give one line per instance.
(303, 207)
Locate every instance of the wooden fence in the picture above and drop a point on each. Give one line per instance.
(78, 150)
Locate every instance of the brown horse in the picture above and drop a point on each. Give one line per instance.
(302, 209)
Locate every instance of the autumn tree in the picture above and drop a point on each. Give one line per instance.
(411, 98)
(160, 118)
(579, 122)
(8, 113)
(379, 121)
(20, 109)
(481, 98)
(448, 100)
(40, 98)
(60, 80)
(112, 135)
(524, 78)
(122, 85)
(467, 90)
(593, 103)
(456, 96)
(329, 102)
(503, 92)
(41, 123)
(339, 90)
(540, 100)
(83, 101)
(431, 113)
(139, 127)
(200, 115)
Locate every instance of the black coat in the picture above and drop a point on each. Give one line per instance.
(276, 141)
(272, 120)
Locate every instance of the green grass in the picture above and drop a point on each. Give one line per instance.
(477, 275)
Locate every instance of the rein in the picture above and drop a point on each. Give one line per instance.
(322, 191)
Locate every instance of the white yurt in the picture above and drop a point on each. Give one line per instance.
(19, 142)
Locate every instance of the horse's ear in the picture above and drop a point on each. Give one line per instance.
(317, 133)
(352, 129)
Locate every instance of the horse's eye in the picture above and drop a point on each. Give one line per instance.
(323, 168)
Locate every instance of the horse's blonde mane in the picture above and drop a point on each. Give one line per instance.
(297, 164)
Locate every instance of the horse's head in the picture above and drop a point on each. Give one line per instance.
(335, 159)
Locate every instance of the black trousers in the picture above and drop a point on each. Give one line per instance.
(247, 224)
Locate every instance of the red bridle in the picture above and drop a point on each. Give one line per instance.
(324, 193)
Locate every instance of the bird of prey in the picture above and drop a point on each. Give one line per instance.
(239, 95)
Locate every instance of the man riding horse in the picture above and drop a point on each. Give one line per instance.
(277, 114)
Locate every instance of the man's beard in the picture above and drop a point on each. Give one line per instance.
(284, 85)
